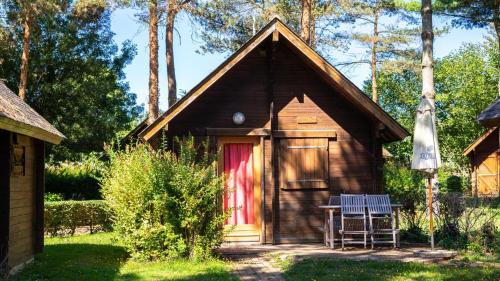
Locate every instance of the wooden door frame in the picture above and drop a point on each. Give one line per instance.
(257, 175)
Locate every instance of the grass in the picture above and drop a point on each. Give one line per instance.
(97, 258)
(336, 269)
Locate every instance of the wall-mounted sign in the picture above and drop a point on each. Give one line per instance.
(307, 119)
(18, 160)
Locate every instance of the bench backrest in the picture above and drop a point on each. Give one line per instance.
(334, 200)
(352, 204)
(379, 204)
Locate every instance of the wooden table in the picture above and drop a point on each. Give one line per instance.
(329, 209)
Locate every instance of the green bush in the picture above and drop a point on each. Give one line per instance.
(75, 180)
(406, 187)
(52, 197)
(164, 204)
(65, 216)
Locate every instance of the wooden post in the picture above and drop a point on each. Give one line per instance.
(5, 164)
(263, 190)
(39, 192)
(431, 211)
(274, 159)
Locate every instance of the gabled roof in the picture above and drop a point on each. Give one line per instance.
(477, 142)
(18, 117)
(490, 117)
(132, 135)
(323, 67)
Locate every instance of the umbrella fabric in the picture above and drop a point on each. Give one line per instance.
(426, 155)
(490, 117)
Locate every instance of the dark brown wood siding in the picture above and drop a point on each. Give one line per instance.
(5, 137)
(302, 101)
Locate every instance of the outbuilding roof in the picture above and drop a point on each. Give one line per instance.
(490, 117)
(478, 141)
(17, 116)
(276, 29)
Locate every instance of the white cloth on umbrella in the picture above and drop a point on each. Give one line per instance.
(426, 155)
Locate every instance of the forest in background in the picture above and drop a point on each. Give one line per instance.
(76, 74)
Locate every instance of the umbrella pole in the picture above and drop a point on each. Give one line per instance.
(431, 224)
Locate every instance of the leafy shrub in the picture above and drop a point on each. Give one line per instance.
(65, 216)
(52, 197)
(75, 180)
(164, 204)
(454, 184)
(406, 187)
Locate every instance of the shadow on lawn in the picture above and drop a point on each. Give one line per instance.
(75, 262)
(97, 262)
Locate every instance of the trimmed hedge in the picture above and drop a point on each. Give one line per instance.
(73, 182)
(65, 216)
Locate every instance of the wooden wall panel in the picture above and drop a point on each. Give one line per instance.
(302, 100)
(486, 166)
(241, 90)
(21, 231)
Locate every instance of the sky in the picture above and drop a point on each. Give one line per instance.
(191, 67)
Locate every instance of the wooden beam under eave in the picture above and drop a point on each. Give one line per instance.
(305, 134)
(238, 132)
(276, 36)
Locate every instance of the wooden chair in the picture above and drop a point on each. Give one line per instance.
(381, 219)
(333, 200)
(353, 218)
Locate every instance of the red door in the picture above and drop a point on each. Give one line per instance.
(238, 170)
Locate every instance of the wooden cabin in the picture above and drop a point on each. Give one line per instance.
(23, 133)
(484, 156)
(292, 130)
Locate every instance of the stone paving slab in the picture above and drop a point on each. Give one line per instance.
(255, 262)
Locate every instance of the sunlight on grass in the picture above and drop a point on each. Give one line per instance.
(98, 257)
(330, 269)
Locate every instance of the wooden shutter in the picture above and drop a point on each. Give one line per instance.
(304, 163)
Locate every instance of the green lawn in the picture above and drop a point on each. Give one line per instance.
(333, 269)
(96, 258)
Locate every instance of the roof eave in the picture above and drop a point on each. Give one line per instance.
(28, 130)
(353, 93)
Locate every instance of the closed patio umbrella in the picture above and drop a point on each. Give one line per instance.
(426, 157)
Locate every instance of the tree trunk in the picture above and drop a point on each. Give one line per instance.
(496, 24)
(374, 57)
(23, 79)
(312, 39)
(305, 21)
(153, 62)
(172, 83)
(427, 61)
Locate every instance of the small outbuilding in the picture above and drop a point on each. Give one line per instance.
(23, 133)
(485, 156)
(292, 131)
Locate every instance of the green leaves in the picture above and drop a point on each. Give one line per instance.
(166, 204)
(465, 83)
(76, 76)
